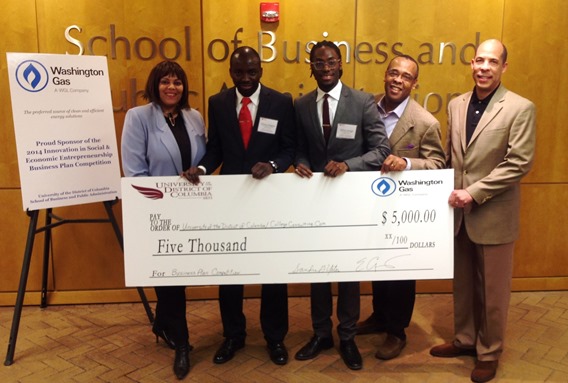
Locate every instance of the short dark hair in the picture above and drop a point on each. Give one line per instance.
(166, 68)
(410, 58)
(329, 44)
(244, 50)
(504, 54)
(324, 43)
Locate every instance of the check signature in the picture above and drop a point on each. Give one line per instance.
(377, 263)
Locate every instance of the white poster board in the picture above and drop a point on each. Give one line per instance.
(233, 229)
(64, 125)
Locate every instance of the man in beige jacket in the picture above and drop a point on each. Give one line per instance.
(416, 143)
(490, 145)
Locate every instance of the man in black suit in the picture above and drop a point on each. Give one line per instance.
(339, 130)
(267, 147)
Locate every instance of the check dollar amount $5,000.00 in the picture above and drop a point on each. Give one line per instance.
(408, 216)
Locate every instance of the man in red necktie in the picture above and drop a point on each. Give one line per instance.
(251, 131)
(245, 121)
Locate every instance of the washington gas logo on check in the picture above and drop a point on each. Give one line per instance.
(32, 76)
(383, 187)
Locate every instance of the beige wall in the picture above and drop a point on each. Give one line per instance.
(87, 263)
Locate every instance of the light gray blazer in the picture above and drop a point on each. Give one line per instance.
(149, 148)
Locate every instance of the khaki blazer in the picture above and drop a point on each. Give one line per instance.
(491, 166)
(416, 136)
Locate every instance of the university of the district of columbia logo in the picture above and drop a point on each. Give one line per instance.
(383, 187)
(32, 76)
(149, 192)
(177, 190)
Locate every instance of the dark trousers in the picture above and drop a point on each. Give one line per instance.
(348, 308)
(170, 313)
(273, 312)
(393, 303)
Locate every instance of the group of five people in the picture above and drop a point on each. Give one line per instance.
(335, 129)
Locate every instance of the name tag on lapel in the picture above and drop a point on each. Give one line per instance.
(346, 131)
(267, 125)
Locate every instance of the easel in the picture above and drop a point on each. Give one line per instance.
(49, 225)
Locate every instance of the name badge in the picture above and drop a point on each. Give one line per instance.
(346, 131)
(267, 125)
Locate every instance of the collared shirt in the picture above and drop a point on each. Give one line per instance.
(253, 105)
(390, 119)
(332, 100)
(475, 110)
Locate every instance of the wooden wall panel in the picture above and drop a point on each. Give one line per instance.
(536, 37)
(541, 248)
(288, 71)
(14, 228)
(420, 29)
(18, 34)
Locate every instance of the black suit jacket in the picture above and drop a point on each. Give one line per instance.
(225, 145)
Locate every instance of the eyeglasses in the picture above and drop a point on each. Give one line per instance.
(405, 76)
(320, 65)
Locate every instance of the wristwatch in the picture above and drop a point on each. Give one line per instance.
(274, 166)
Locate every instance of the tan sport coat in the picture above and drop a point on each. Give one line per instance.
(417, 137)
(490, 168)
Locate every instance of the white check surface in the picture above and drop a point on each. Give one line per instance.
(285, 229)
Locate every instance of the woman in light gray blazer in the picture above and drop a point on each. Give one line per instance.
(164, 138)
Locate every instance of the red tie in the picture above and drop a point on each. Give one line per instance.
(245, 121)
(325, 118)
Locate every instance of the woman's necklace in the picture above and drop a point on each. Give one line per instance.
(171, 118)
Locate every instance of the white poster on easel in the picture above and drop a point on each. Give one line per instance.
(65, 132)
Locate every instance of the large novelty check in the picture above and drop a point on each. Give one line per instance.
(286, 229)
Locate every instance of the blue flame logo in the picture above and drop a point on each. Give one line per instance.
(32, 76)
(383, 187)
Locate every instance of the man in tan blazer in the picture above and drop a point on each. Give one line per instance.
(490, 145)
(416, 143)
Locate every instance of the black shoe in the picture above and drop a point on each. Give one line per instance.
(369, 326)
(278, 353)
(167, 340)
(314, 347)
(181, 361)
(161, 333)
(350, 354)
(227, 350)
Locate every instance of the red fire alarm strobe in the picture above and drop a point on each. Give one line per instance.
(270, 12)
